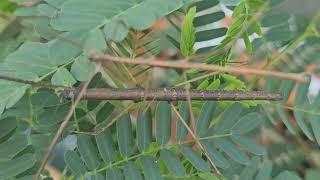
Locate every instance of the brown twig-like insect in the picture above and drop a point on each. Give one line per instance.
(170, 94)
(158, 94)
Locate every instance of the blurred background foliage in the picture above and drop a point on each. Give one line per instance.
(285, 151)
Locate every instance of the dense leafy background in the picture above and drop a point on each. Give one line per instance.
(51, 42)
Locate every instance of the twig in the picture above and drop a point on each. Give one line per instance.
(195, 139)
(63, 126)
(181, 64)
(294, 44)
(170, 94)
(34, 83)
(196, 79)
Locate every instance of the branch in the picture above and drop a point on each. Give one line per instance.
(171, 94)
(33, 83)
(161, 94)
(182, 64)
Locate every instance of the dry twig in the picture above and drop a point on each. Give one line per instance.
(182, 64)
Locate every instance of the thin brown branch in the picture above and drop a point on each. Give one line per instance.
(161, 94)
(33, 83)
(171, 94)
(63, 125)
(182, 64)
(193, 127)
(195, 138)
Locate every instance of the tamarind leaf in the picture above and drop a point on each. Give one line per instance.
(205, 118)
(184, 112)
(16, 166)
(150, 168)
(106, 146)
(163, 122)
(173, 163)
(131, 171)
(114, 173)
(144, 129)
(124, 135)
(74, 162)
(195, 158)
(88, 152)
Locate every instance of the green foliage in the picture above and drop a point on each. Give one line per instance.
(262, 171)
(304, 111)
(25, 135)
(74, 16)
(7, 6)
(204, 21)
(159, 140)
(245, 21)
(188, 33)
(152, 152)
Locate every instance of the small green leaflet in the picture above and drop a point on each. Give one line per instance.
(188, 33)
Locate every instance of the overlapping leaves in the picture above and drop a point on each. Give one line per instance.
(155, 157)
(116, 16)
(41, 60)
(38, 61)
(260, 171)
(118, 151)
(210, 30)
(26, 131)
(305, 109)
